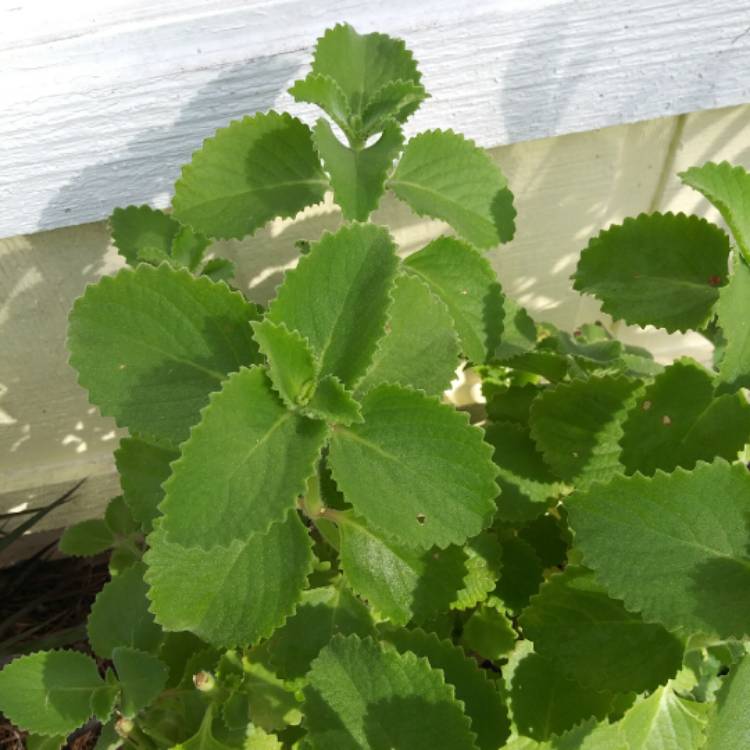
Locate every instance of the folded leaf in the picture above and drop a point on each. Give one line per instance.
(657, 269)
(151, 344)
(243, 467)
(388, 691)
(337, 298)
(220, 594)
(323, 91)
(685, 533)
(416, 470)
(332, 402)
(446, 176)
(248, 173)
(136, 229)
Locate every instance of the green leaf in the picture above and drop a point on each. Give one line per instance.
(321, 614)
(396, 100)
(527, 484)
(204, 738)
(465, 282)
(188, 247)
(257, 739)
(484, 562)
(108, 738)
(143, 467)
(550, 538)
(291, 365)
(136, 229)
(218, 594)
(545, 702)
(420, 348)
(332, 402)
(120, 616)
(489, 633)
(595, 640)
(273, 703)
(86, 538)
(446, 176)
(679, 420)
(142, 677)
(416, 470)
(401, 584)
(578, 424)
(729, 728)
(175, 651)
(684, 533)
(483, 703)
(151, 344)
(734, 370)
(250, 172)
(119, 519)
(728, 188)
(244, 466)
(38, 742)
(49, 693)
(104, 698)
(657, 269)
(521, 575)
(388, 691)
(337, 298)
(664, 721)
(218, 269)
(323, 91)
(357, 175)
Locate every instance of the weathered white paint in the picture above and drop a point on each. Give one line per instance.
(567, 189)
(100, 102)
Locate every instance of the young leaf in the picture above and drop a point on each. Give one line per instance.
(332, 402)
(188, 247)
(483, 703)
(218, 594)
(595, 640)
(396, 100)
(151, 344)
(357, 175)
(399, 583)
(465, 282)
(657, 269)
(321, 614)
(136, 229)
(337, 298)
(291, 365)
(578, 424)
(389, 690)
(446, 176)
(244, 466)
(250, 172)
(420, 348)
(664, 721)
(142, 677)
(728, 188)
(324, 92)
(415, 469)
(684, 533)
(143, 467)
(734, 370)
(679, 420)
(120, 616)
(257, 739)
(729, 728)
(86, 538)
(119, 519)
(219, 269)
(544, 702)
(49, 693)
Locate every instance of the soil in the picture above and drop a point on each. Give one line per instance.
(44, 603)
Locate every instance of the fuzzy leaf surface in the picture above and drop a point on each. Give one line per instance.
(337, 298)
(734, 370)
(86, 538)
(357, 176)
(420, 348)
(578, 424)
(219, 594)
(685, 533)
(120, 616)
(248, 173)
(151, 344)
(388, 691)
(729, 728)
(483, 703)
(49, 692)
(243, 466)
(446, 176)
(415, 469)
(595, 640)
(333, 402)
(489, 633)
(143, 468)
(465, 282)
(657, 269)
(679, 421)
(142, 677)
(141, 228)
(323, 91)
(484, 562)
(728, 188)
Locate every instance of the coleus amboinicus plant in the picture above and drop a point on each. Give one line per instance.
(335, 558)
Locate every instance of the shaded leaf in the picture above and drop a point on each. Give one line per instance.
(136, 229)
(86, 538)
(142, 677)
